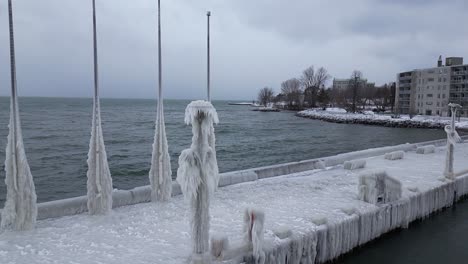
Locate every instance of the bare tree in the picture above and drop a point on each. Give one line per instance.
(312, 81)
(321, 77)
(265, 96)
(292, 90)
(354, 84)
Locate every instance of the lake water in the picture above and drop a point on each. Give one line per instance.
(57, 131)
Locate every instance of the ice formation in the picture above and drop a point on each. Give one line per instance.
(20, 209)
(365, 118)
(395, 155)
(99, 182)
(99, 178)
(377, 187)
(160, 174)
(198, 173)
(452, 139)
(425, 149)
(354, 164)
(219, 245)
(254, 221)
(320, 230)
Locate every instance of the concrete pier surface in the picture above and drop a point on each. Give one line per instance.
(312, 213)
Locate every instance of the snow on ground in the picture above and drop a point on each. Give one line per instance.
(159, 233)
(331, 114)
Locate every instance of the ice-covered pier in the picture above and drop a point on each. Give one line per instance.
(311, 214)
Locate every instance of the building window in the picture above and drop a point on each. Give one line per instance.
(430, 79)
(429, 95)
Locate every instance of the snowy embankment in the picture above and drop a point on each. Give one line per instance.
(369, 118)
(310, 217)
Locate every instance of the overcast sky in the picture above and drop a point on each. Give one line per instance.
(255, 43)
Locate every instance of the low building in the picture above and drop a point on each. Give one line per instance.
(343, 84)
(429, 91)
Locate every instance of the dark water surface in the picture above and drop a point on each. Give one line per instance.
(57, 131)
(439, 239)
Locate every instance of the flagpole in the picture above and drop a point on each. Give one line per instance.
(13, 91)
(97, 120)
(208, 14)
(159, 53)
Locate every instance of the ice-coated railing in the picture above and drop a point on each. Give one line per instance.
(77, 205)
(334, 239)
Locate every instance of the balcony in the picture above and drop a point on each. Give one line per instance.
(458, 81)
(460, 73)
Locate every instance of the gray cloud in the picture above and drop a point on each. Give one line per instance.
(254, 43)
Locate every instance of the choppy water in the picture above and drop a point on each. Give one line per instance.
(57, 130)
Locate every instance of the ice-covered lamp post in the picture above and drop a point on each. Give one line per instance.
(20, 209)
(99, 178)
(160, 174)
(198, 174)
(452, 139)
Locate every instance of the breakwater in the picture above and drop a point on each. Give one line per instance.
(380, 120)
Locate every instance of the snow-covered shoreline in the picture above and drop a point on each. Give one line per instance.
(311, 216)
(404, 121)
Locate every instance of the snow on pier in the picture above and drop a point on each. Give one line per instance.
(310, 217)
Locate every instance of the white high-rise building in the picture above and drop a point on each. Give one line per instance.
(429, 91)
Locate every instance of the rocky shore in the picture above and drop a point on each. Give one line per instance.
(381, 120)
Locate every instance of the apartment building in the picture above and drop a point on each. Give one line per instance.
(429, 91)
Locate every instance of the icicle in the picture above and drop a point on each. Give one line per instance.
(99, 178)
(20, 209)
(198, 174)
(160, 174)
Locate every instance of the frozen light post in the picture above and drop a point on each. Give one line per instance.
(452, 139)
(198, 174)
(99, 182)
(20, 209)
(160, 174)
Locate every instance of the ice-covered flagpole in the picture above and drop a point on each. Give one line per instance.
(99, 178)
(452, 139)
(160, 174)
(198, 174)
(20, 209)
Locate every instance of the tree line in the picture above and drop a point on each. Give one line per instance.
(309, 91)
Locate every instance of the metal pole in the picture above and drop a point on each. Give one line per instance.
(97, 120)
(208, 14)
(13, 92)
(96, 80)
(159, 53)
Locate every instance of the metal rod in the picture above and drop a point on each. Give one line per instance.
(208, 14)
(13, 92)
(97, 120)
(159, 54)
(96, 80)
